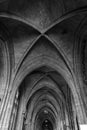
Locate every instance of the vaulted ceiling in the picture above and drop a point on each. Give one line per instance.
(41, 38)
(26, 19)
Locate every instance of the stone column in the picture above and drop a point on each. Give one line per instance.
(9, 111)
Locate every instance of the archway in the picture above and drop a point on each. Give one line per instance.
(45, 100)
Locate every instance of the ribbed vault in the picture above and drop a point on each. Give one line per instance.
(45, 97)
(43, 75)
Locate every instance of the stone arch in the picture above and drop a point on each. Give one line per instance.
(59, 69)
(7, 64)
(24, 105)
(27, 66)
(80, 58)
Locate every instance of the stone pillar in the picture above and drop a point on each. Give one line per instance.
(14, 113)
(9, 113)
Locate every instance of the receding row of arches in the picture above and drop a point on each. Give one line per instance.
(45, 102)
(43, 90)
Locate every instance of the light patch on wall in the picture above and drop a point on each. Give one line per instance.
(83, 127)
